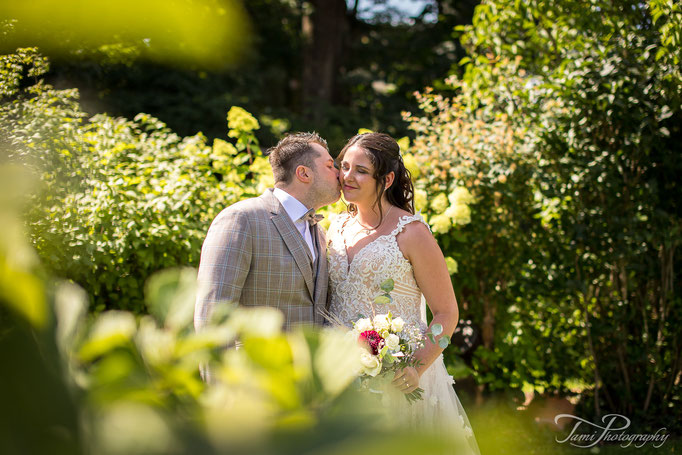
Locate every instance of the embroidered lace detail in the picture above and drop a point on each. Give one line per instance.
(354, 286)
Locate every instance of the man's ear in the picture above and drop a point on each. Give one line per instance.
(304, 174)
(388, 180)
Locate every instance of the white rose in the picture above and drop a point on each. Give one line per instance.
(397, 325)
(362, 325)
(371, 364)
(392, 342)
(382, 323)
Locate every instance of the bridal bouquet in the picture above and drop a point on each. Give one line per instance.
(389, 343)
(389, 347)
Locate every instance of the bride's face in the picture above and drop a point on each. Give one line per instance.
(357, 177)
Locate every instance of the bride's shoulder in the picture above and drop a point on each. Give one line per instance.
(412, 224)
(414, 236)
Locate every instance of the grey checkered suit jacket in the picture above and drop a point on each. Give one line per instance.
(254, 255)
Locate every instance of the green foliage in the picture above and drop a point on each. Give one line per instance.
(121, 199)
(564, 129)
(190, 89)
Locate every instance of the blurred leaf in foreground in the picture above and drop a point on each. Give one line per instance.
(207, 33)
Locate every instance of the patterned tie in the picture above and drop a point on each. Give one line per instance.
(312, 218)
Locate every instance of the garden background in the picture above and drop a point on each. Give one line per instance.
(543, 139)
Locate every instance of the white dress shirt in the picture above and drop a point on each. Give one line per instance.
(295, 209)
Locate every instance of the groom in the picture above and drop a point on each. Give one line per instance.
(268, 251)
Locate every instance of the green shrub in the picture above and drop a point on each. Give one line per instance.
(565, 128)
(121, 198)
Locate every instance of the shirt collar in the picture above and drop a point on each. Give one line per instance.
(294, 208)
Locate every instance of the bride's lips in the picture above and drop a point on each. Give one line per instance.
(346, 187)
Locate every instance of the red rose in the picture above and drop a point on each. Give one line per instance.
(372, 340)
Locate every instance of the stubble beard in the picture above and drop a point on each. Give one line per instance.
(323, 195)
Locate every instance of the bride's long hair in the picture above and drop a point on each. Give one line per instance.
(384, 153)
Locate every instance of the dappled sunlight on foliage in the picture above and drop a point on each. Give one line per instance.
(120, 198)
(547, 170)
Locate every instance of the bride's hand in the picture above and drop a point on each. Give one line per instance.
(406, 380)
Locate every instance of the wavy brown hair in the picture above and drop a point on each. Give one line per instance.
(384, 154)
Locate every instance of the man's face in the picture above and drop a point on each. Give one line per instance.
(325, 187)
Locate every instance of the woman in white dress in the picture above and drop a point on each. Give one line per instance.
(381, 237)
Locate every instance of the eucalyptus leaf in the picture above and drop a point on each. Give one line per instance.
(382, 300)
(436, 329)
(387, 286)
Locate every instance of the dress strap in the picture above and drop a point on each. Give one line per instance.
(407, 219)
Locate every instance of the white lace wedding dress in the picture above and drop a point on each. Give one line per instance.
(353, 286)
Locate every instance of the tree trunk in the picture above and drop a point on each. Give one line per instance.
(324, 33)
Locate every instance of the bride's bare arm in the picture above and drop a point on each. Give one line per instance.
(418, 245)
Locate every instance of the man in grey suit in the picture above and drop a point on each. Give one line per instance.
(269, 251)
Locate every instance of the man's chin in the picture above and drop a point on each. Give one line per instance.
(336, 199)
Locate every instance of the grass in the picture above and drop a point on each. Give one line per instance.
(502, 430)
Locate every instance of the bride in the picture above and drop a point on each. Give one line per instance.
(381, 237)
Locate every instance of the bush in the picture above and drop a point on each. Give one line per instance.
(564, 129)
(121, 198)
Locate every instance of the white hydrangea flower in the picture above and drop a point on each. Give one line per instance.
(459, 214)
(452, 265)
(421, 199)
(440, 224)
(460, 195)
(439, 203)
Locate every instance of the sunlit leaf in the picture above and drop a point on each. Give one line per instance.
(203, 32)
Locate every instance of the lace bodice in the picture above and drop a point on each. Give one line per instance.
(354, 286)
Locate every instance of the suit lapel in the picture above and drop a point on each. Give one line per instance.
(292, 238)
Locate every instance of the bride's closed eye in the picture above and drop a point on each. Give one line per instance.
(359, 169)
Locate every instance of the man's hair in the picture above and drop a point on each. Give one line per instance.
(293, 151)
